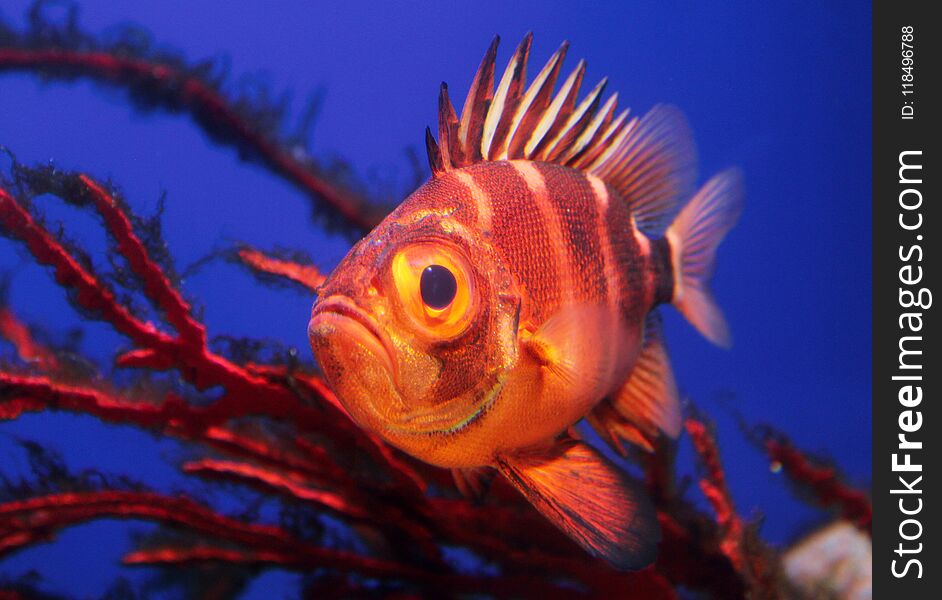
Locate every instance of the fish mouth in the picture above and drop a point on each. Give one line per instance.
(344, 316)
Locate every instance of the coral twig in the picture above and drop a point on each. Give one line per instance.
(247, 393)
(822, 480)
(738, 542)
(23, 522)
(44, 515)
(713, 485)
(39, 518)
(27, 348)
(292, 484)
(168, 83)
(308, 276)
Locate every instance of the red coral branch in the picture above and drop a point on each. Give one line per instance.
(292, 484)
(156, 285)
(284, 470)
(823, 481)
(175, 88)
(747, 554)
(170, 414)
(27, 348)
(247, 392)
(38, 519)
(713, 485)
(27, 521)
(525, 539)
(48, 514)
(27, 393)
(90, 293)
(308, 276)
(690, 554)
(439, 582)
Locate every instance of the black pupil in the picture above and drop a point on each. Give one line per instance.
(438, 286)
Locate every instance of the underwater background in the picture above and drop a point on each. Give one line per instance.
(781, 90)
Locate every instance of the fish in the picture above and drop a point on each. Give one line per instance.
(517, 292)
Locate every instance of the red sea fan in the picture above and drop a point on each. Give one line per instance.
(268, 422)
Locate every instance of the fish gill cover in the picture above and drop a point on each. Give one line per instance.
(165, 338)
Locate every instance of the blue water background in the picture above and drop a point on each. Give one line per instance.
(781, 90)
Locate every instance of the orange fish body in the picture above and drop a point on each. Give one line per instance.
(513, 294)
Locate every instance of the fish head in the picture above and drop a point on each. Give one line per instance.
(416, 327)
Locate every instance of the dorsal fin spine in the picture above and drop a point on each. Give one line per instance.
(607, 142)
(475, 109)
(588, 134)
(559, 110)
(576, 122)
(433, 153)
(534, 103)
(448, 130)
(504, 102)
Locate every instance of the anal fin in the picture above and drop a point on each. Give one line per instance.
(648, 402)
(590, 499)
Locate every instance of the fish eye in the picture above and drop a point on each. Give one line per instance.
(435, 287)
(438, 286)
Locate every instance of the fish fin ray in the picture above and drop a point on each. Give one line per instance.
(589, 498)
(504, 103)
(609, 140)
(448, 131)
(473, 483)
(434, 154)
(650, 161)
(615, 429)
(590, 136)
(652, 165)
(694, 237)
(533, 104)
(471, 125)
(649, 397)
(556, 114)
(575, 123)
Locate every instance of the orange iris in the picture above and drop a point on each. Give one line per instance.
(407, 266)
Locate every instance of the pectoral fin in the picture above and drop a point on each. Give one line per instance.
(576, 345)
(593, 501)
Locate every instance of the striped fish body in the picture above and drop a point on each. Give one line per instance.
(515, 294)
(577, 266)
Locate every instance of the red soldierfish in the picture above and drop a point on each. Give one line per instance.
(514, 294)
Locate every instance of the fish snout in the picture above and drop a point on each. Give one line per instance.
(339, 330)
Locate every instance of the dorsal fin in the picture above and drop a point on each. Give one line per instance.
(652, 165)
(650, 160)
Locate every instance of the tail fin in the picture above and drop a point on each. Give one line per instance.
(694, 236)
